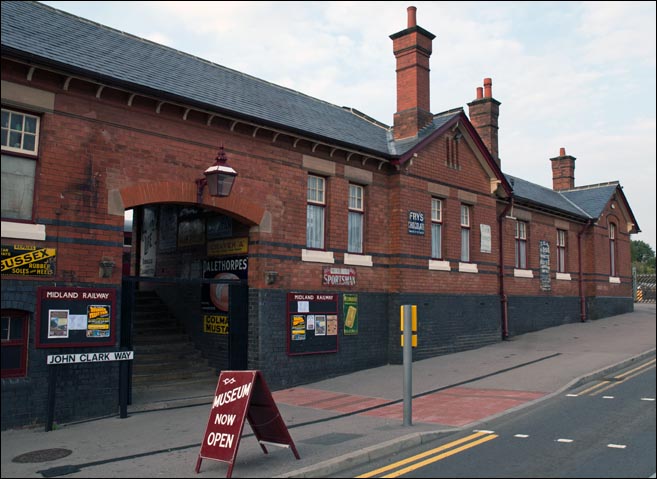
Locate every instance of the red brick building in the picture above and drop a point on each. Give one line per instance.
(333, 222)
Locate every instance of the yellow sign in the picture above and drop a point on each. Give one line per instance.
(228, 247)
(38, 262)
(215, 323)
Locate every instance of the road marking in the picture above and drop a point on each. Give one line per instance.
(608, 384)
(607, 397)
(647, 367)
(572, 395)
(564, 440)
(442, 456)
(522, 436)
(647, 399)
(483, 435)
(617, 446)
(644, 365)
(595, 386)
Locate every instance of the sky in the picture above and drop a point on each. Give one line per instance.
(573, 75)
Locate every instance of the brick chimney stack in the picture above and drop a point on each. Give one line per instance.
(484, 112)
(412, 49)
(563, 171)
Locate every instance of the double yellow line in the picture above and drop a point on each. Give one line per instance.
(607, 384)
(433, 455)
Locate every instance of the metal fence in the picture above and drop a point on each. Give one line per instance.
(645, 288)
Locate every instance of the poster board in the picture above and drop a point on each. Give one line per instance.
(242, 395)
(75, 317)
(544, 265)
(312, 323)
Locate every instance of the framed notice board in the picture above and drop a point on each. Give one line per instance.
(312, 323)
(75, 317)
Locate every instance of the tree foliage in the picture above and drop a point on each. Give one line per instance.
(643, 257)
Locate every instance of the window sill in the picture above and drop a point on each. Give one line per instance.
(437, 265)
(523, 273)
(358, 259)
(468, 268)
(564, 276)
(614, 279)
(23, 231)
(314, 256)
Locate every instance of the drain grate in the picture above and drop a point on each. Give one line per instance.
(42, 455)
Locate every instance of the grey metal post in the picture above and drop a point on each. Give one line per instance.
(408, 366)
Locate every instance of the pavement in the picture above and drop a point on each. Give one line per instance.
(341, 422)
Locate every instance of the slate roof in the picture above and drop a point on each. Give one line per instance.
(39, 33)
(399, 147)
(586, 202)
(593, 198)
(539, 195)
(59, 39)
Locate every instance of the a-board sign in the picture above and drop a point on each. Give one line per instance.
(312, 323)
(75, 317)
(242, 395)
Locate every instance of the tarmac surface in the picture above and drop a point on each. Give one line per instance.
(341, 422)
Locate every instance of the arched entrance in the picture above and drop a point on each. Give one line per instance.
(185, 300)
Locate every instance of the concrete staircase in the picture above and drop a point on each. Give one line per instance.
(165, 358)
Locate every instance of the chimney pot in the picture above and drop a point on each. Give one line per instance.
(562, 151)
(412, 18)
(412, 49)
(488, 88)
(484, 116)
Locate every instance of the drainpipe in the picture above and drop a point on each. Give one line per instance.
(503, 299)
(582, 299)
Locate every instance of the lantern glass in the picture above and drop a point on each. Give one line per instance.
(220, 180)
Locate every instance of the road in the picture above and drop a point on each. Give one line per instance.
(605, 428)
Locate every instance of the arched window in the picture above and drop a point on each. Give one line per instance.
(612, 249)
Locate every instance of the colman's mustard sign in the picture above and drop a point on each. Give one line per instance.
(28, 260)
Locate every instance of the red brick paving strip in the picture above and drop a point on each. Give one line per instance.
(452, 407)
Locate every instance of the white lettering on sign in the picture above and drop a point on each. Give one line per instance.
(223, 439)
(225, 419)
(90, 357)
(232, 395)
(95, 295)
(62, 294)
(304, 297)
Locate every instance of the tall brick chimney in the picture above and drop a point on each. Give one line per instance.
(412, 49)
(484, 113)
(563, 171)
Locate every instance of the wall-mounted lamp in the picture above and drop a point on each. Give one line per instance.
(219, 178)
(270, 277)
(106, 268)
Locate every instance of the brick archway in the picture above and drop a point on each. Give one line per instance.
(234, 205)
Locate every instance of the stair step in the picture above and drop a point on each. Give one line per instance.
(174, 364)
(174, 348)
(138, 378)
(146, 357)
(163, 338)
(164, 353)
(160, 330)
